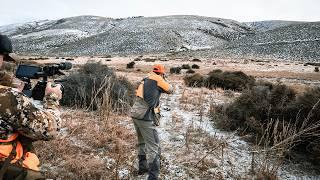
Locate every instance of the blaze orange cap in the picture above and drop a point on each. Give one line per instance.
(158, 68)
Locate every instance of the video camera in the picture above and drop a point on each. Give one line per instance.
(28, 72)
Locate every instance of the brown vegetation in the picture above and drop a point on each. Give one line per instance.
(90, 147)
(195, 80)
(131, 65)
(195, 66)
(217, 78)
(276, 114)
(175, 70)
(185, 66)
(190, 71)
(86, 87)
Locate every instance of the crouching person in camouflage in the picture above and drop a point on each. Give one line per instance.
(21, 123)
(146, 114)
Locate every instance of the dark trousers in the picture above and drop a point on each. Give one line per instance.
(148, 145)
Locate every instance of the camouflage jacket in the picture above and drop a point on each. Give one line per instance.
(18, 113)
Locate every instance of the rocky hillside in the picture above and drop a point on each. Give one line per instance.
(296, 41)
(262, 26)
(203, 36)
(90, 35)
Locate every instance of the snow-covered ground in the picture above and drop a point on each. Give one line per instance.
(227, 157)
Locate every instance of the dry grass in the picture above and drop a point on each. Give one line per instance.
(285, 74)
(204, 153)
(98, 145)
(194, 96)
(89, 148)
(278, 139)
(299, 88)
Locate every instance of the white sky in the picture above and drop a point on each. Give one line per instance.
(15, 11)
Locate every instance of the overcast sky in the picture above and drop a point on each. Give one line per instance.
(16, 11)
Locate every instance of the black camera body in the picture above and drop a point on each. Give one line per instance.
(28, 72)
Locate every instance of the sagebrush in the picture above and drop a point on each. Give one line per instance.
(85, 88)
(277, 115)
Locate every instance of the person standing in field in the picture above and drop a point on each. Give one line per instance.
(146, 117)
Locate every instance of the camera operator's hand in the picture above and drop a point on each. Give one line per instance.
(55, 89)
(18, 84)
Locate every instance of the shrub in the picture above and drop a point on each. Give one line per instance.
(69, 59)
(190, 71)
(149, 60)
(303, 104)
(316, 69)
(185, 66)
(312, 63)
(137, 59)
(264, 83)
(175, 70)
(261, 103)
(195, 80)
(306, 113)
(228, 93)
(195, 66)
(108, 56)
(131, 65)
(196, 60)
(229, 80)
(260, 109)
(215, 71)
(86, 88)
(41, 58)
(250, 103)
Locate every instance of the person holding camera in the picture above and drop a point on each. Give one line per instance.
(146, 117)
(22, 122)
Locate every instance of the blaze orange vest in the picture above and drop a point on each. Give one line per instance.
(29, 160)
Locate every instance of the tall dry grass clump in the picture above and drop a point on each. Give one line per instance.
(85, 88)
(93, 144)
(89, 147)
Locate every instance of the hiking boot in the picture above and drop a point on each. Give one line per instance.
(154, 169)
(143, 166)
